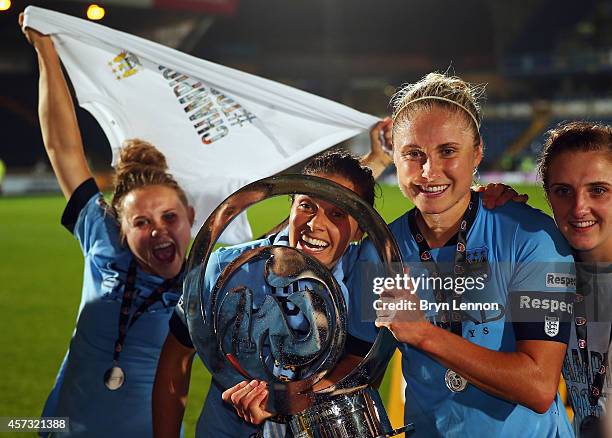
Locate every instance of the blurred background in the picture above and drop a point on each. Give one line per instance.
(543, 61)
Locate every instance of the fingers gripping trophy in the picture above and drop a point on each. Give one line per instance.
(241, 330)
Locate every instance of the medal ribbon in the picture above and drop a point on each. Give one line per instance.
(595, 380)
(449, 319)
(126, 304)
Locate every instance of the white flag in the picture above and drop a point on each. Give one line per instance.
(219, 128)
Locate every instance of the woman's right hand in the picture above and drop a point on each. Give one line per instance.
(497, 194)
(58, 121)
(249, 399)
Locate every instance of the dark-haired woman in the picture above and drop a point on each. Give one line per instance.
(316, 227)
(134, 251)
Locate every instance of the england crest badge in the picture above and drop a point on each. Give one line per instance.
(551, 326)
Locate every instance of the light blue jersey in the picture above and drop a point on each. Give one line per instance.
(79, 392)
(516, 252)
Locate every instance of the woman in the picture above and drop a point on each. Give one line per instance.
(134, 251)
(317, 228)
(576, 171)
(468, 370)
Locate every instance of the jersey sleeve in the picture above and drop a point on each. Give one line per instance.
(360, 266)
(77, 202)
(178, 325)
(543, 283)
(89, 218)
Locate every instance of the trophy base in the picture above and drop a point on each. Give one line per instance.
(360, 414)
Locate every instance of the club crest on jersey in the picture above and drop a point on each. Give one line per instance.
(478, 262)
(551, 326)
(124, 65)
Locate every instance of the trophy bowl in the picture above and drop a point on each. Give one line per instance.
(242, 331)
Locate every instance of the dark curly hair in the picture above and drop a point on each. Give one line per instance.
(344, 164)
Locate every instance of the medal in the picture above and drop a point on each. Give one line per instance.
(114, 378)
(454, 382)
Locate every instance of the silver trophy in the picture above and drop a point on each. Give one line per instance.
(242, 331)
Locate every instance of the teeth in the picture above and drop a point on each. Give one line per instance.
(313, 241)
(163, 245)
(583, 224)
(434, 189)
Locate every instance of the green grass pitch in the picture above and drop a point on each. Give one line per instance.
(40, 284)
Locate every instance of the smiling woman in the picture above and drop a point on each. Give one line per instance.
(576, 170)
(319, 229)
(469, 372)
(151, 208)
(133, 250)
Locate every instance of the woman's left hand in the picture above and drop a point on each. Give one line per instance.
(381, 139)
(381, 147)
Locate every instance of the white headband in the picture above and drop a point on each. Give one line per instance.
(444, 99)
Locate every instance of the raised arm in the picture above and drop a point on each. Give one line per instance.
(58, 122)
(378, 159)
(171, 387)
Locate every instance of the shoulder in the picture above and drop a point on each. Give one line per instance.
(366, 251)
(523, 216)
(526, 227)
(400, 225)
(89, 218)
(85, 201)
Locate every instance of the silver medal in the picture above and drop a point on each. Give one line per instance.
(114, 378)
(454, 382)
